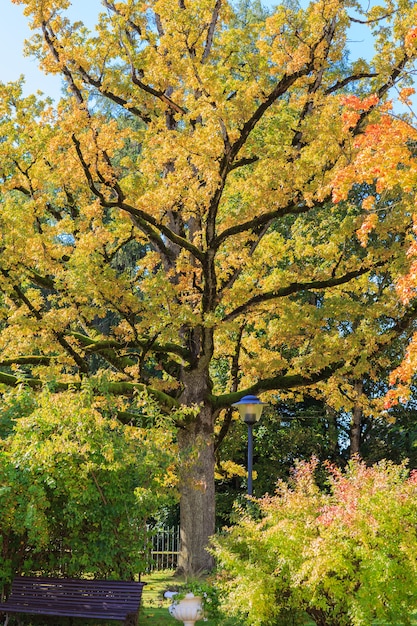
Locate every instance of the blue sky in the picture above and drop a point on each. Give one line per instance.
(14, 29)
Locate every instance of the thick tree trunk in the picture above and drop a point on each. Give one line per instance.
(197, 495)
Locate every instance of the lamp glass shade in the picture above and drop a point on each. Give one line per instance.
(250, 409)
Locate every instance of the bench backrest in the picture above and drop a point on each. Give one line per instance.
(117, 596)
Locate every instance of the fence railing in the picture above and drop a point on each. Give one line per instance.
(164, 546)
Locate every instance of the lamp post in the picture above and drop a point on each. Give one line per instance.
(250, 410)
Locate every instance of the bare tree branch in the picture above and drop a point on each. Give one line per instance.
(211, 30)
(340, 84)
(373, 20)
(297, 288)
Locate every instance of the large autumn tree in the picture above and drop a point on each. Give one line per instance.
(183, 222)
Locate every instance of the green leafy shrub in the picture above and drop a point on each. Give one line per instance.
(346, 557)
(78, 488)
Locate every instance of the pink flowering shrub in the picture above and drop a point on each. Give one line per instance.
(346, 556)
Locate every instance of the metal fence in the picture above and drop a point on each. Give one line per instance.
(164, 546)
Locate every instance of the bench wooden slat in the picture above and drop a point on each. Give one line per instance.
(126, 607)
(71, 597)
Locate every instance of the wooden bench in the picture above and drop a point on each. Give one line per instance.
(69, 597)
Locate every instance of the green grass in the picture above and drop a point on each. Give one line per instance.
(154, 610)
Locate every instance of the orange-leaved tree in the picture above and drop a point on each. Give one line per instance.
(392, 145)
(181, 222)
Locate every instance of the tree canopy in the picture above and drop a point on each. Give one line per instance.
(189, 220)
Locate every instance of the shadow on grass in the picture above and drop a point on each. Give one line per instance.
(161, 617)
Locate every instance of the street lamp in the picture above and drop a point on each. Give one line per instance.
(250, 410)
